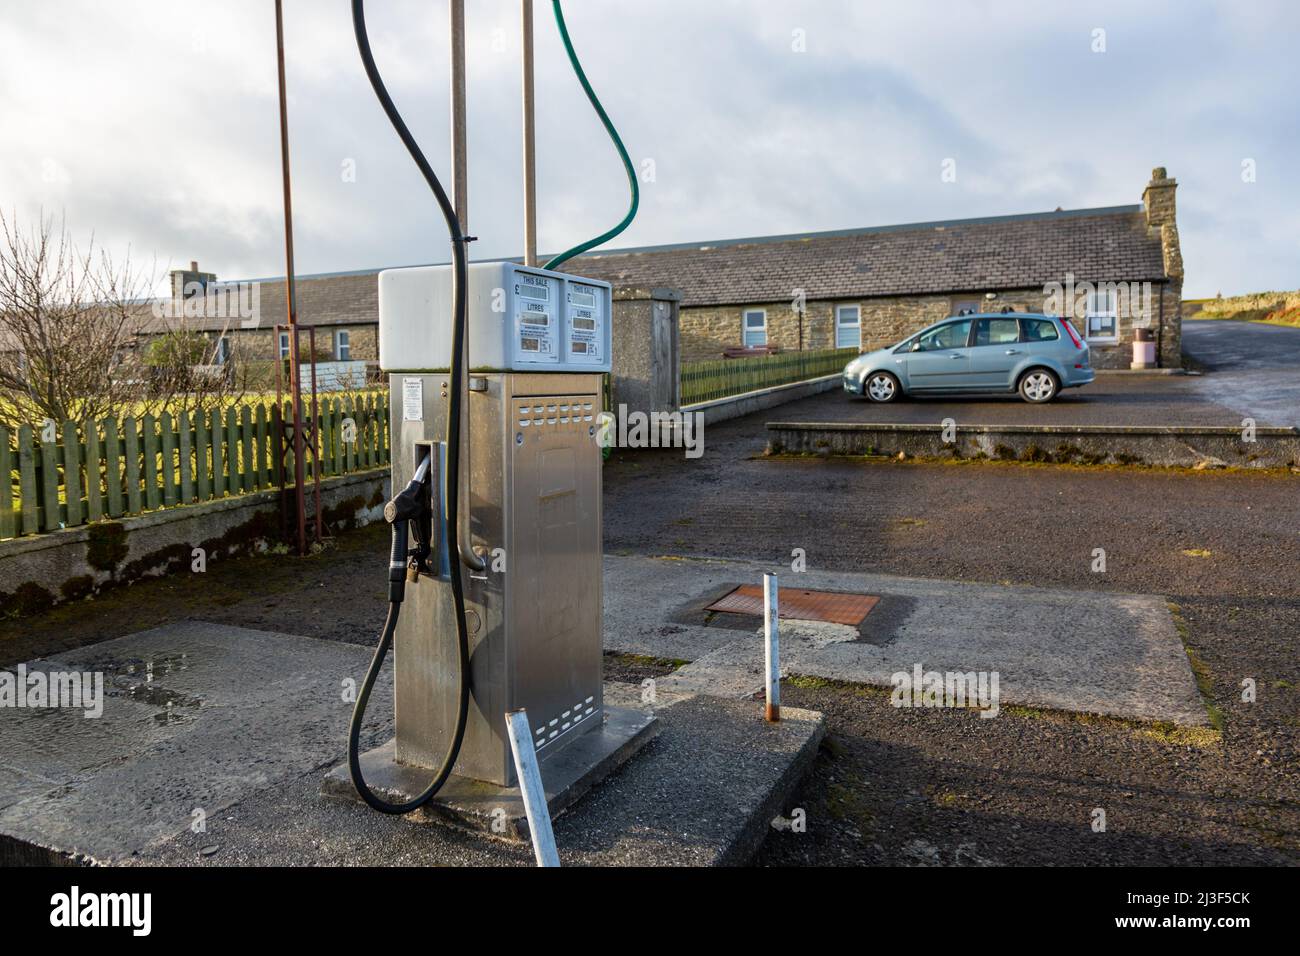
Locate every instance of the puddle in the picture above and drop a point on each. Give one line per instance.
(135, 679)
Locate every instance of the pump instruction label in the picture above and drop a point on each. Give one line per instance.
(412, 400)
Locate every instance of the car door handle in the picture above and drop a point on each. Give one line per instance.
(955, 356)
(1013, 351)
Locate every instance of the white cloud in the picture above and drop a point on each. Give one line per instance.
(155, 124)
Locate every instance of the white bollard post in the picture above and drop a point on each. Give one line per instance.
(771, 648)
(531, 789)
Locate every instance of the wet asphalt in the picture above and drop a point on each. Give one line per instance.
(1256, 367)
(937, 787)
(921, 787)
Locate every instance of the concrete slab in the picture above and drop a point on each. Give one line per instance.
(196, 717)
(257, 717)
(1087, 651)
(568, 773)
(703, 793)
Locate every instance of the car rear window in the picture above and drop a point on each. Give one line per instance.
(1040, 330)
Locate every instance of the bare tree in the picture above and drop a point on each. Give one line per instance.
(67, 327)
(80, 337)
(190, 371)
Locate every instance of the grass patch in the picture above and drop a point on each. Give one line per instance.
(1169, 733)
(849, 806)
(1127, 464)
(808, 682)
(1200, 670)
(645, 660)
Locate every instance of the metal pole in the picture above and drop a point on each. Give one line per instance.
(771, 648)
(531, 789)
(290, 293)
(460, 196)
(530, 142)
(459, 151)
(315, 436)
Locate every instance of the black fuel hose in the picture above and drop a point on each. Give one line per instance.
(450, 474)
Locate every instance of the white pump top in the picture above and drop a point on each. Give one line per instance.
(520, 318)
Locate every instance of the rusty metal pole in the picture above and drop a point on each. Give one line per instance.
(771, 648)
(295, 386)
(530, 141)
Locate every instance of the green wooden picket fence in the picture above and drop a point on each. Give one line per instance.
(705, 381)
(112, 468)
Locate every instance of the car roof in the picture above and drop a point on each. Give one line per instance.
(999, 315)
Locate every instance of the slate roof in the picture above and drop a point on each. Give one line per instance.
(963, 255)
(1109, 244)
(325, 300)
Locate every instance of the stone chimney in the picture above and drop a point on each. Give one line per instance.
(1161, 212)
(186, 283)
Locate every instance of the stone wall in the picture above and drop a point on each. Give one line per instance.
(705, 332)
(40, 570)
(261, 344)
(645, 358)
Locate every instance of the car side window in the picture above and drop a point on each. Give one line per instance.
(997, 331)
(1040, 330)
(950, 335)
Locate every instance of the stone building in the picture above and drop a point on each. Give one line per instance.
(342, 307)
(1112, 270)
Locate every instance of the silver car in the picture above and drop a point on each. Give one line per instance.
(1035, 355)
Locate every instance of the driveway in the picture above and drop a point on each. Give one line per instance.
(1255, 368)
(1118, 399)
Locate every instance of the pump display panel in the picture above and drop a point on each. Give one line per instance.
(587, 311)
(535, 334)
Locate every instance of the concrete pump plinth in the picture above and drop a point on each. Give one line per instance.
(567, 773)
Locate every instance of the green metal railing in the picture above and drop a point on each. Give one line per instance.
(705, 381)
(70, 475)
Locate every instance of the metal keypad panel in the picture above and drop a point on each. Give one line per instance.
(551, 412)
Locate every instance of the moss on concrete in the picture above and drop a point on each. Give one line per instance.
(106, 545)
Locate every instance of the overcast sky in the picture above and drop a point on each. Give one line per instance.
(154, 124)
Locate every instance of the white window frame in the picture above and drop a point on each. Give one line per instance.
(1094, 311)
(745, 329)
(855, 325)
(342, 344)
(284, 346)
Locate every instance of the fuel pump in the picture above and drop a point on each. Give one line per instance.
(496, 535)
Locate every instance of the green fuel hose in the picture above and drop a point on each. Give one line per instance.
(604, 237)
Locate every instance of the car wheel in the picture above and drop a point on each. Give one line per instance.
(881, 387)
(1039, 385)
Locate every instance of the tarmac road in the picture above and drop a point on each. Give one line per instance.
(939, 787)
(1253, 368)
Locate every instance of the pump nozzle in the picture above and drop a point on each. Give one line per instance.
(409, 505)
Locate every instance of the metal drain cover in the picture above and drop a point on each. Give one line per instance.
(799, 604)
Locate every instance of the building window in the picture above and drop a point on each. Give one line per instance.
(223, 350)
(965, 307)
(848, 327)
(755, 327)
(284, 345)
(1103, 317)
(342, 345)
